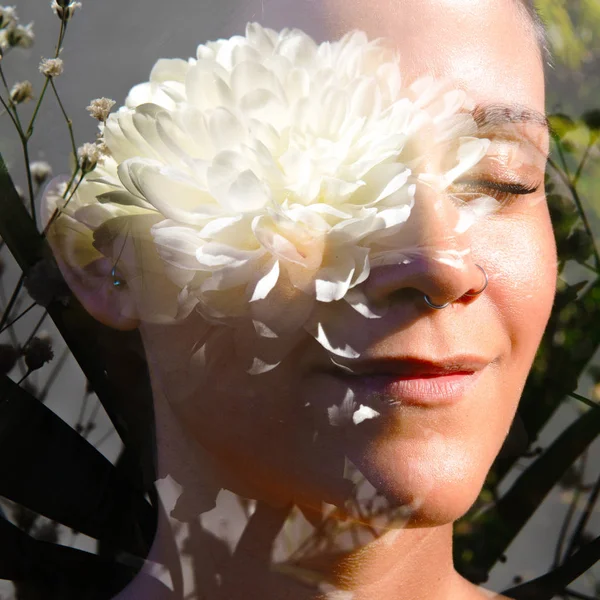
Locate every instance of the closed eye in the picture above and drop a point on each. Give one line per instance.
(503, 191)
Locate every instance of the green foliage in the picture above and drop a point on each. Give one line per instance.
(571, 340)
(573, 29)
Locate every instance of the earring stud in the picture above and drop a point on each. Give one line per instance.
(117, 281)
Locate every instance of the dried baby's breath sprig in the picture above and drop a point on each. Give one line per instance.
(38, 352)
(64, 9)
(8, 16)
(101, 143)
(88, 155)
(51, 67)
(21, 92)
(40, 171)
(100, 107)
(18, 36)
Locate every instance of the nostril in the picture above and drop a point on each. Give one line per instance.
(437, 283)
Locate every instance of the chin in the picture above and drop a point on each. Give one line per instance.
(432, 482)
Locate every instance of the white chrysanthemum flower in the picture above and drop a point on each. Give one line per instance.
(275, 171)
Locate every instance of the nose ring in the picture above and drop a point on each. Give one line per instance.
(432, 305)
(479, 291)
(485, 282)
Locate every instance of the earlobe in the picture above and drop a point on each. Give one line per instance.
(104, 295)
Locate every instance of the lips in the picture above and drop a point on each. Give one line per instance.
(409, 380)
(410, 367)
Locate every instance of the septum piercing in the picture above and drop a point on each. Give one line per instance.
(479, 291)
(432, 305)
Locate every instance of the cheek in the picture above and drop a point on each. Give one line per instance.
(520, 254)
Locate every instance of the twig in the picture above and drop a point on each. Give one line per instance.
(32, 305)
(583, 160)
(567, 181)
(90, 420)
(82, 410)
(29, 371)
(54, 374)
(10, 114)
(69, 122)
(558, 553)
(57, 211)
(585, 400)
(556, 581)
(11, 332)
(12, 301)
(585, 517)
(29, 178)
(61, 37)
(592, 269)
(36, 328)
(104, 438)
(13, 112)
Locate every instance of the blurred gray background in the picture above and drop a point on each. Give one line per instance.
(111, 45)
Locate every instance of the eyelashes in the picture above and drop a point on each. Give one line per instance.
(505, 192)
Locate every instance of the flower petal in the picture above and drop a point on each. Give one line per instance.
(266, 283)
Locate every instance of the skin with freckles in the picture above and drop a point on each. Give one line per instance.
(271, 435)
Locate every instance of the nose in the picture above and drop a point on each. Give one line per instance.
(439, 263)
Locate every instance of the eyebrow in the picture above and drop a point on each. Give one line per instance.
(494, 115)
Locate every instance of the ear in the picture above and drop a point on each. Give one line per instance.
(87, 271)
(94, 286)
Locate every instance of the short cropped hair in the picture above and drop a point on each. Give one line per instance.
(539, 28)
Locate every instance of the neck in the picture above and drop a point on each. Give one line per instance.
(403, 564)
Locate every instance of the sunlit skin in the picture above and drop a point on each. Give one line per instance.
(260, 429)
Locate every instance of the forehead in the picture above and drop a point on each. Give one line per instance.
(486, 47)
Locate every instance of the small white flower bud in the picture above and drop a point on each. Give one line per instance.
(38, 352)
(89, 155)
(21, 92)
(64, 9)
(40, 171)
(100, 107)
(51, 67)
(102, 147)
(8, 16)
(20, 36)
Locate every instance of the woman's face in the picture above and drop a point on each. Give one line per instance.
(428, 448)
